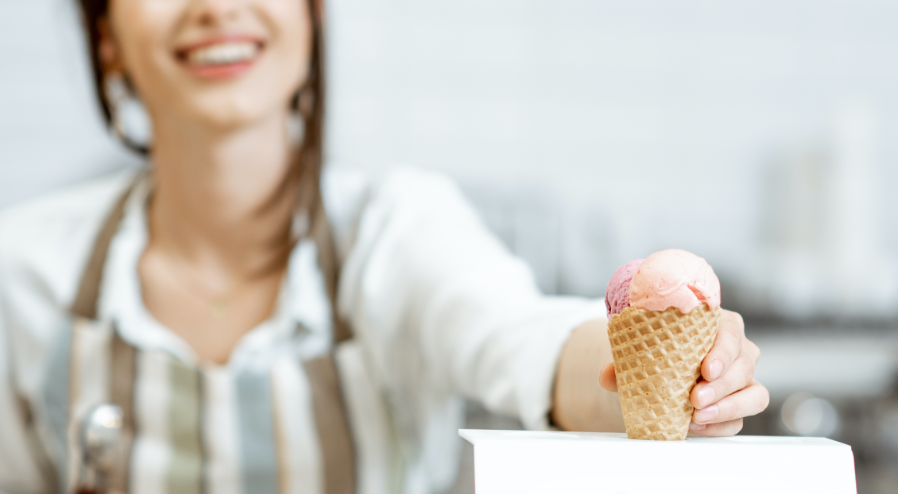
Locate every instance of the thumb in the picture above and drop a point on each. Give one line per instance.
(607, 378)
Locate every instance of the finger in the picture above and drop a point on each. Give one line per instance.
(737, 376)
(727, 346)
(724, 429)
(751, 350)
(607, 378)
(750, 401)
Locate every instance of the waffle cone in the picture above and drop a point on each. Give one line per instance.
(657, 360)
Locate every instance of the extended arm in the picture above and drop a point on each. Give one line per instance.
(445, 308)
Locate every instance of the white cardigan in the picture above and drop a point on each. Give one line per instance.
(440, 310)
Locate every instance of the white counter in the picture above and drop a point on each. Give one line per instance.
(523, 462)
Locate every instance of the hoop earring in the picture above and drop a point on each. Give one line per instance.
(297, 117)
(130, 122)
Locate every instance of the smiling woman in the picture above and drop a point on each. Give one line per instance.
(246, 322)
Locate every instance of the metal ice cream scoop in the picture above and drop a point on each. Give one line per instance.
(101, 433)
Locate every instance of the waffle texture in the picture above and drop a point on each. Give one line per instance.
(657, 360)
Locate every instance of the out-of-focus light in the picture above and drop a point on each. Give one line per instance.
(807, 415)
(887, 426)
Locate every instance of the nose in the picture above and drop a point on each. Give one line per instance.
(212, 13)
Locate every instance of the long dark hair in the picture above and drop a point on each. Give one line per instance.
(304, 175)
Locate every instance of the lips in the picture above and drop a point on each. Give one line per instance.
(222, 57)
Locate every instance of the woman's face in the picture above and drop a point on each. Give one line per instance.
(219, 63)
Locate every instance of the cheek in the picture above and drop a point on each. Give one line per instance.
(292, 25)
(141, 31)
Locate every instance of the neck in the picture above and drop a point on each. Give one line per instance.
(212, 200)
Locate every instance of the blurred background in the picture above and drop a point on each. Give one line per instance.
(761, 135)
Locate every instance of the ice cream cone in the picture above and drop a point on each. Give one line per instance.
(657, 360)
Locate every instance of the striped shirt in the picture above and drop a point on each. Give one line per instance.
(440, 310)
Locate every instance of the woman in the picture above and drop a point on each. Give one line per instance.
(197, 295)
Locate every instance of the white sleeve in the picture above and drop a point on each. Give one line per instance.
(440, 299)
(20, 457)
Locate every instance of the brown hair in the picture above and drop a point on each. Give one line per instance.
(304, 175)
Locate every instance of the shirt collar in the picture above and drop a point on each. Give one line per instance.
(302, 309)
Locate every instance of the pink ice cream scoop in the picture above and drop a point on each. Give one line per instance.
(617, 293)
(670, 278)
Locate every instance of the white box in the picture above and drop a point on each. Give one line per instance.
(522, 462)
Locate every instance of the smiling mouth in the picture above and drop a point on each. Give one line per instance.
(220, 58)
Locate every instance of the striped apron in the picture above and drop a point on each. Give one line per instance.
(163, 403)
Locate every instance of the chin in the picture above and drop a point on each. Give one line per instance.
(229, 112)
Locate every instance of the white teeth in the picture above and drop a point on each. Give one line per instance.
(223, 54)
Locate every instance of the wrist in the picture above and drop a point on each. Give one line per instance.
(579, 402)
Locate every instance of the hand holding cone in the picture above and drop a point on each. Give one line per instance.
(664, 314)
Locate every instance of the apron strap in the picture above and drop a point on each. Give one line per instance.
(122, 367)
(123, 370)
(329, 264)
(89, 289)
(328, 402)
(332, 424)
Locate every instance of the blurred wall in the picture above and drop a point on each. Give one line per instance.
(759, 134)
(50, 132)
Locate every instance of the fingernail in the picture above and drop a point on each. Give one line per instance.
(696, 427)
(706, 414)
(705, 396)
(715, 369)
